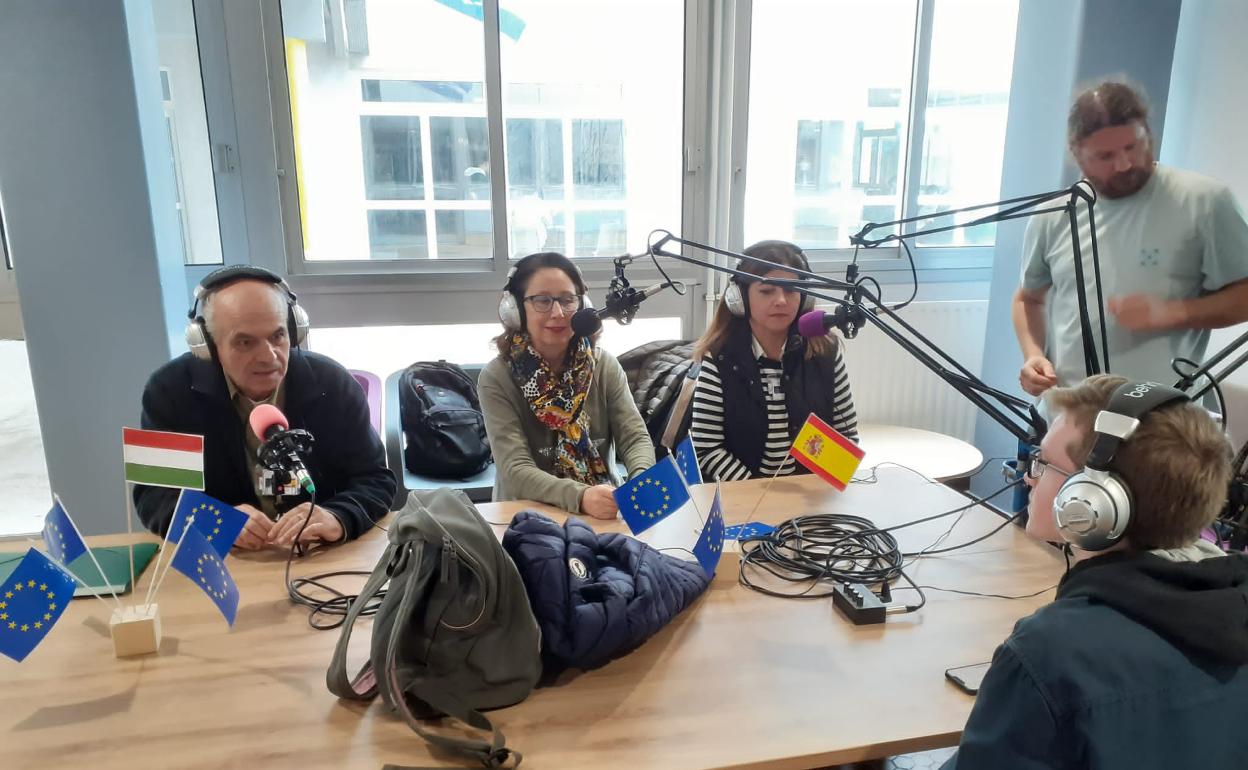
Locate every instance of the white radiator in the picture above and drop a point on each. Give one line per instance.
(892, 387)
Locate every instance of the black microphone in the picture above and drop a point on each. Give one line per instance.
(282, 446)
(621, 305)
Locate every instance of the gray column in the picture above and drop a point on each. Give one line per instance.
(88, 193)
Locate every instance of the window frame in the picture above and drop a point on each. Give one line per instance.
(889, 264)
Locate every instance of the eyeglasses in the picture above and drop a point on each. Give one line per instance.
(544, 303)
(1036, 467)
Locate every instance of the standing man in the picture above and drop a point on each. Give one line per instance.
(241, 356)
(1173, 256)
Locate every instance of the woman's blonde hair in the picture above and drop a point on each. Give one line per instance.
(724, 322)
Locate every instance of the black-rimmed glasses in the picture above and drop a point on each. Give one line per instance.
(1036, 467)
(544, 303)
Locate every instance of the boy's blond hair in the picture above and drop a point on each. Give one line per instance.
(1177, 463)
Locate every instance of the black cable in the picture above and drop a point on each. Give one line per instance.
(339, 603)
(1217, 387)
(914, 277)
(676, 286)
(994, 531)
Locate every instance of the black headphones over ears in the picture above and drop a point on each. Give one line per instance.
(199, 340)
(736, 296)
(1093, 506)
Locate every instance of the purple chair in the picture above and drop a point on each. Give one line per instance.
(371, 384)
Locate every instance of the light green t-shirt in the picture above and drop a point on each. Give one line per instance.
(1181, 236)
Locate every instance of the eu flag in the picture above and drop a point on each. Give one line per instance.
(61, 536)
(652, 496)
(198, 560)
(31, 601)
(687, 461)
(219, 523)
(711, 542)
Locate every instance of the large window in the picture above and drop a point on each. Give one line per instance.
(839, 146)
(186, 128)
(392, 127)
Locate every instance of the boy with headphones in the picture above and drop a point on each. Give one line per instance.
(1139, 662)
(244, 331)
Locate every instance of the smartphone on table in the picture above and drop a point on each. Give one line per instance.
(967, 678)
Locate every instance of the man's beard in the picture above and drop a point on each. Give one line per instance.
(1124, 184)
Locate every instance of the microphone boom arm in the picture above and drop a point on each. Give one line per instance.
(1018, 416)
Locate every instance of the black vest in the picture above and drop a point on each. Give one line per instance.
(807, 384)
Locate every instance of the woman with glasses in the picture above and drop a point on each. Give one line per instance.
(555, 404)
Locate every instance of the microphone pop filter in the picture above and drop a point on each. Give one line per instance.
(264, 417)
(586, 322)
(811, 324)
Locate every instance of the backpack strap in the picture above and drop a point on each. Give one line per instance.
(493, 754)
(677, 416)
(364, 685)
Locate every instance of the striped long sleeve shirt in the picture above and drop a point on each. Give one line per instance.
(709, 423)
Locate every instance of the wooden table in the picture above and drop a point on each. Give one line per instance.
(738, 680)
(933, 454)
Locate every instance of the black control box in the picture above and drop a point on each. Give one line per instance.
(858, 603)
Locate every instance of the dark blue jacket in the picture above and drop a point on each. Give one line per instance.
(596, 596)
(347, 463)
(1139, 663)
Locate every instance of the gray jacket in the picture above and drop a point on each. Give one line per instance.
(524, 448)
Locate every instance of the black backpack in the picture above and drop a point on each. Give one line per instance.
(442, 421)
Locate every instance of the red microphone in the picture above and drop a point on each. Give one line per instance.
(282, 446)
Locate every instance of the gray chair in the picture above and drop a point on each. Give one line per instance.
(479, 488)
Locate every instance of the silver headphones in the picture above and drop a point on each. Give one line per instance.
(1093, 507)
(736, 296)
(197, 337)
(510, 312)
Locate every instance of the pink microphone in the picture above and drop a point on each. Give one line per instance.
(267, 420)
(812, 324)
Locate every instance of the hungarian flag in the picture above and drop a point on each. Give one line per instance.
(161, 459)
(826, 453)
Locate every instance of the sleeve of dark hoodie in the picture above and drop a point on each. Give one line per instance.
(1011, 724)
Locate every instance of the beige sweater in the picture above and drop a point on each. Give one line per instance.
(524, 448)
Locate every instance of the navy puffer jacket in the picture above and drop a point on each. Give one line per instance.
(596, 596)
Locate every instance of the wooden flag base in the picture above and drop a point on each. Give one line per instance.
(135, 630)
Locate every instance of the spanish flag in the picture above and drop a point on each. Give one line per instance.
(826, 453)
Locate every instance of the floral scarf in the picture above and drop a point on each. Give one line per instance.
(558, 402)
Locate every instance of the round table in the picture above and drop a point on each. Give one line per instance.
(941, 457)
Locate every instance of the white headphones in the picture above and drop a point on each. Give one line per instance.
(1093, 507)
(197, 337)
(736, 296)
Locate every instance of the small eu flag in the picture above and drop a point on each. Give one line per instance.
(752, 530)
(711, 542)
(61, 536)
(31, 601)
(652, 496)
(198, 560)
(687, 461)
(219, 523)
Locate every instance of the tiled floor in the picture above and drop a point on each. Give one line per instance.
(24, 492)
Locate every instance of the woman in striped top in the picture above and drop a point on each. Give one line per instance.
(760, 379)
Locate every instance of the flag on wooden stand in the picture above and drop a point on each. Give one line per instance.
(826, 453)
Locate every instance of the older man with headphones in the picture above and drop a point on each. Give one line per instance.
(1141, 661)
(245, 326)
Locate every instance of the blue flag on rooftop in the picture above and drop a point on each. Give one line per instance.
(31, 601)
(652, 496)
(61, 536)
(198, 560)
(219, 523)
(710, 543)
(687, 461)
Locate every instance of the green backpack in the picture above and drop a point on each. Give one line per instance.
(454, 633)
